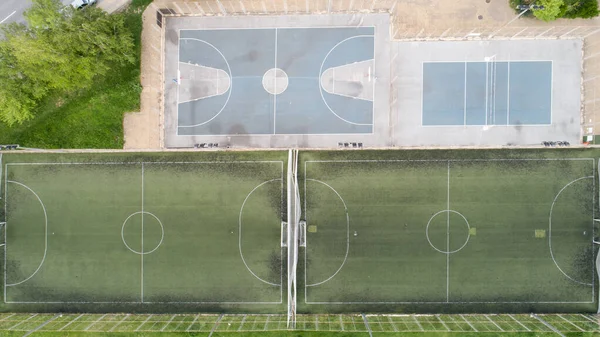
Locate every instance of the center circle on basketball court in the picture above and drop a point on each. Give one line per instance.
(142, 232)
(275, 81)
(448, 231)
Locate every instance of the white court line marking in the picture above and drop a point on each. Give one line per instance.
(45, 234)
(550, 231)
(347, 233)
(240, 232)
(193, 322)
(144, 322)
(21, 322)
(321, 73)
(8, 17)
(465, 98)
(508, 96)
(209, 96)
(332, 92)
(275, 89)
(76, 318)
(448, 239)
(230, 86)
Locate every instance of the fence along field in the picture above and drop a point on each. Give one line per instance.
(190, 323)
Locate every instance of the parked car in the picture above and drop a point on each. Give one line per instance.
(78, 4)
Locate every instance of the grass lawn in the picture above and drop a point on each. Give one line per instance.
(91, 118)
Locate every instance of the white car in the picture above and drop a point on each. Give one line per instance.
(78, 4)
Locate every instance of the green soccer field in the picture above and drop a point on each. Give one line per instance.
(94, 230)
(386, 231)
(449, 230)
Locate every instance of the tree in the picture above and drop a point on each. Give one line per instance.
(551, 9)
(59, 50)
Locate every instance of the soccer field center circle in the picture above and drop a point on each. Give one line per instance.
(139, 232)
(432, 224)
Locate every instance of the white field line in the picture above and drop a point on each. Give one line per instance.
(275, 89)
(550, 231)
(66, 325)
(454, 302)
(466, 320)
(240, 234)
(316, 323)
(573, 324)
(448, 239)
(5, 225)
(443, 160)
(347, 233)
(492, 321)
(45, 234)
(442, 321)
(194, 321)
(153, 302)
(516, 320)
(266, 323)
(142, 243)
(418, 323)
(341, 323)
(119, 323)
(169, 322)
(21, 322)
(148, 163)
(144, 322)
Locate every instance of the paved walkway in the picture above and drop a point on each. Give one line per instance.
(112, 6)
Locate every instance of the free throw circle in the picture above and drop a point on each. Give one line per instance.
(275, 81)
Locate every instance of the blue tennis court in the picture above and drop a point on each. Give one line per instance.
(487, 93)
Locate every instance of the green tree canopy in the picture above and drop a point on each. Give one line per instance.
(551, 11)
(59, 50)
